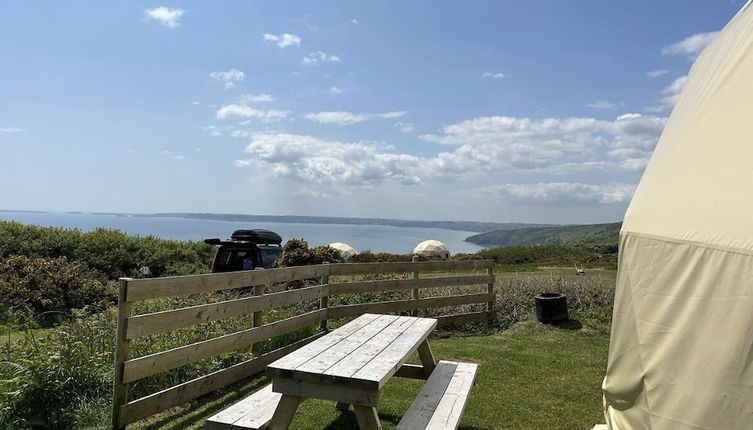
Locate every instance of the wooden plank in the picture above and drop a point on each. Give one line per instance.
(406, 284)
(385, 364)
(368, 419)
(253, 412)
(143, 289)
(490, 290)
(420, 411)
(406, 305)
(285, 412)
(440, 404)
(257, 319)
(162, 361)
(352, 360)
(452, 404)
(415, 293)
(182, 393)
(165, 321)
(332, 355)
(460, 319)
(344, 393)
(324, 299)
(427, 358)
(411, 371)
(422, 266)
(290, 362)
(122, 352)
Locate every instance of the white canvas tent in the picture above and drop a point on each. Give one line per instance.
(432, 248)
(681, 350)
(345, 250)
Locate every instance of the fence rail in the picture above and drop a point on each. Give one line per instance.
(130, 327)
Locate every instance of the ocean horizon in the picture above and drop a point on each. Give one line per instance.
(375, 238)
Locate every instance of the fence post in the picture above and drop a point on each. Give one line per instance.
(122, 352)
(324, 299)
(416, 293)
(490, 290)
(258, 317)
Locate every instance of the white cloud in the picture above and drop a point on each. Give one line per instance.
(213, 130)
(256, 98)
(165, 16)
(563, 192)
(195, 103)
(245, 111)
(12, 130)
(554, 145)
(492, 75)
(657, 73)
(481, 146)
(229, 78)
(169, 154)
(405, 127)
(601, 104)
(316, 161)
(316, 57)
(691, 45)
(348, 118)
(312, 194)
(283, 40)
(334, 90)
(670, 94)
(354, 21)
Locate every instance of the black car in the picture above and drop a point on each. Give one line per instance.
(246, 250)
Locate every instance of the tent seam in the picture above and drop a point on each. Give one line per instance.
(730, 249)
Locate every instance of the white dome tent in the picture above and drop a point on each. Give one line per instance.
(346, 251)
(432, 248)
(681, 349)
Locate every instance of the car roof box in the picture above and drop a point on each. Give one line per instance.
(257, 236)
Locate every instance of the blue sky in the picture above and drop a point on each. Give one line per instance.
(535, 111)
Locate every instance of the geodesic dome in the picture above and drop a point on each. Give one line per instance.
(681, 350)
(432, 248)
(345, 250)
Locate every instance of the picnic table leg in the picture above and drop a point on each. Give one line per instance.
(367, 418)
(342, 406)
(285, 412)
(427, 358)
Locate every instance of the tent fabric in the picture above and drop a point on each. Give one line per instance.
(681, 349)
(432, 248)
(345, 250)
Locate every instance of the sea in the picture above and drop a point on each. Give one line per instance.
(375, 238)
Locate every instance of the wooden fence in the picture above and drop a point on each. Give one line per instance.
(131, 369)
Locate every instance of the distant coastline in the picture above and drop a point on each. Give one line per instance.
(473, 226)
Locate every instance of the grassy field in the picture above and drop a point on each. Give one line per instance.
(532, 376)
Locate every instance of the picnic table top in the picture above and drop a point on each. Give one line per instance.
(365, 352)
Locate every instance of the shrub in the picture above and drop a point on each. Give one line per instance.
(110, 252)
(46, 285)
(296, 252)
(48, 379)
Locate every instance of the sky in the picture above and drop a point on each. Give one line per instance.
(505, 111)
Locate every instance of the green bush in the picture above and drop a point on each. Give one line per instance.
(110, 252)
(49, 285)
(48, 379)
(296, 252)
(539, 255)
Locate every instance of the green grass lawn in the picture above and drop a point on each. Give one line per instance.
(531, 377)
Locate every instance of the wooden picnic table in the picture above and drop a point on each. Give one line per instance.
(351, 364)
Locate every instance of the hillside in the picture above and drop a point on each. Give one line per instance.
(567, 234)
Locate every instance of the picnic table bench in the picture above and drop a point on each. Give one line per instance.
(350, 365)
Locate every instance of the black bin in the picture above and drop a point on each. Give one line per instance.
(551, 308)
